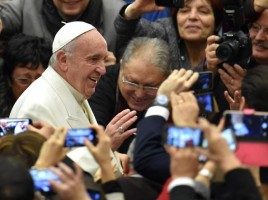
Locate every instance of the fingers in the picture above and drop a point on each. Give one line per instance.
(228, 98)
(225, 77)
(32, 128)
(235, 71)
(203, 124)
(125, 117)
(128, 133)
(212, 59)
(59, 135)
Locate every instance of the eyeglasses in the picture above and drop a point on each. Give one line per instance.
(255, 28)
(148, 89)
(24, 81)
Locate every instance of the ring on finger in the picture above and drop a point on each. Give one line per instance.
(120, 129)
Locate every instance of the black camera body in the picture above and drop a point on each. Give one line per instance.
(235, 48)
(170, 3)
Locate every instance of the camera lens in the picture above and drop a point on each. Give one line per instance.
(227, 50)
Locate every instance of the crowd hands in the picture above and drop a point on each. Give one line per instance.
(185, 111)
(71, 185)
(185, 162)
(53, 151)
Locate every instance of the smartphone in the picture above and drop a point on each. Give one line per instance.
(75, 137)
(204, 82)
(228, 136)
(247, 126)
(41, 178)
(182, 137)
(205, 102)
(95, 195)
(13, 125)
(170, 3)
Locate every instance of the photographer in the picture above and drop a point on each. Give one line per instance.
(232, 75)
(186, 32)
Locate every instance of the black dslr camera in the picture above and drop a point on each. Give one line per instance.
(235, 46)
(170, 3)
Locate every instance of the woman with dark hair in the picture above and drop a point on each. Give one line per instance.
(25, 59)
(186, 31)
(24, 146)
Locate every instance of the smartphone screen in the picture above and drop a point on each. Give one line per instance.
(13, 125)
(183, 137)
(95, 195)
(204, 82)
(247, 126)
(75, 137)
(41, 179)
(205, 102)
(228, 136)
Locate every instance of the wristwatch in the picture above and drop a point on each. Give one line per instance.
(161, 100)
(206, 173)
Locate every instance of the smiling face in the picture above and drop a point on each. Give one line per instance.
(195, 20)
(70, 9)
(139, 72)
(83, 67)
(259, 38)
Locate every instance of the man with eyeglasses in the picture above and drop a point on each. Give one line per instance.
(232, 76)
(131, 85)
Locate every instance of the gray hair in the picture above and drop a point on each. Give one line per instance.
(154, 50)
(68, 49)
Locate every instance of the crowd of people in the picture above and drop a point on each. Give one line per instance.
(125, 70)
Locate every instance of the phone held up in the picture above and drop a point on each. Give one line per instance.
(182, 137)
(41, 179)
(247, 126)
(203, 88)
(75, 137)
(13, 125)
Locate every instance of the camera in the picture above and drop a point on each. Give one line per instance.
(170, 3)
(235, 46)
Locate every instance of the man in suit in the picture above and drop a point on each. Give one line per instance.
(60, 95)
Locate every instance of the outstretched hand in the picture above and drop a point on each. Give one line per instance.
(237, 102)
(71, 185)
(185, 109)
(52, 151)
(117, 129)
(232, 77)
(178, 81)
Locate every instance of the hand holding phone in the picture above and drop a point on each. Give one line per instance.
(41, 178)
